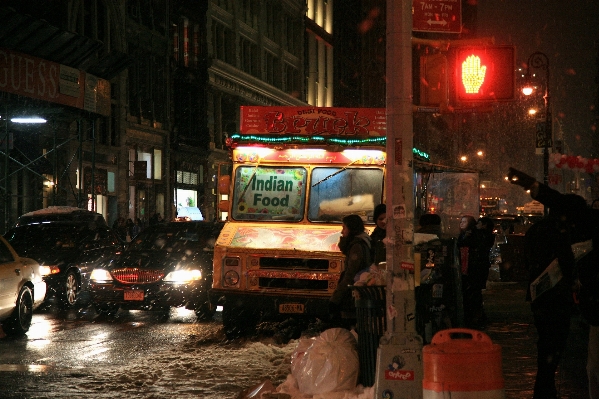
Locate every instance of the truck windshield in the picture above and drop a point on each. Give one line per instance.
(269, 193)
(337, 192)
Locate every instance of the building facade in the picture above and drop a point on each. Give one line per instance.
(140, 97)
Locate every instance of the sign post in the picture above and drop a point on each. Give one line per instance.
(399, 358)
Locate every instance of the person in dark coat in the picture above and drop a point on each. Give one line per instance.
(471, 246)
(485, 228)
(354, 243)
(568, 221)
(377, 252)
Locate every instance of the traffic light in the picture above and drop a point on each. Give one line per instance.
(433, 80)
(484, 73)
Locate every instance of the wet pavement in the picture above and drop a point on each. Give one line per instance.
(511, 326)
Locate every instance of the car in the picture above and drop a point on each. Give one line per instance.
(68, 250)
(60, 213)
(21, 289)
(166, 265)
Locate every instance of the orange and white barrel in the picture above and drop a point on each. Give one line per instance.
(460, 363)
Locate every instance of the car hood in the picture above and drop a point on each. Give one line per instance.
(161, 260)
(51, 257)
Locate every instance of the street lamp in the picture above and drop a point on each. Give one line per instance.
(539, 60)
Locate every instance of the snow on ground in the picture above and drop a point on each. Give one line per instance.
(207, 367)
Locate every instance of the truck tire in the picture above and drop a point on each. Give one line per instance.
(204, 311)
(238, 321)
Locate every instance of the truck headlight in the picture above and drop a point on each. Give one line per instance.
(183, 276)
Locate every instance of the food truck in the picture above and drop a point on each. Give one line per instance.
(297, 171)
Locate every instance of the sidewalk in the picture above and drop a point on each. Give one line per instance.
(511, 326)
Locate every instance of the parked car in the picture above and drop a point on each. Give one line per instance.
(166, 265)
(60, 213)
(21, 289)
(69, 250)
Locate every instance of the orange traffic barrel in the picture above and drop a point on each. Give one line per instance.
(462, 364)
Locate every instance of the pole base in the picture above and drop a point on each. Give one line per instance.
(399, 367)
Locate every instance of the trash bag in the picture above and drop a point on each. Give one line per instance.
(326, 363)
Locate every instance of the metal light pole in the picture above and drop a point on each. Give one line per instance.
(540, 60)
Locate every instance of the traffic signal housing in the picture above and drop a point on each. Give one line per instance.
(433, 80)
(484, 73)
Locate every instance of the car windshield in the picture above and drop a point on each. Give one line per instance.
(174, 239)
(269, 194)
(51, 236)
(337, 192)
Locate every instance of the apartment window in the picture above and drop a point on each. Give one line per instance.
(291, 79)
(157, 164)
(147, 157)
(271, 69)
(148, 13)
(111, 186)
(248, 56)
(249, 12)
(147, 85)
(224, 4)
(131, 162)
(271, 21)
(186, 43)
(187, 177)
(222, 42)
(292, 34)
(93, 20)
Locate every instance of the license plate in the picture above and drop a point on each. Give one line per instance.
(134, 295)
(291, 308)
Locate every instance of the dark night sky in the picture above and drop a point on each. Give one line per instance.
(567, 31)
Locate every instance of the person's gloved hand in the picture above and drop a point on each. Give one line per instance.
(520, 178)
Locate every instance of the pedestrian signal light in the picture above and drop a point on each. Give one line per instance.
(485, 73)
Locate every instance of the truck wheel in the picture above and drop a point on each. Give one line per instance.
(204, 311)
(238, 321)
(20, 320)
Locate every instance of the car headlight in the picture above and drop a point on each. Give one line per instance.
(100, 275)
(47, 270)
(183, 276)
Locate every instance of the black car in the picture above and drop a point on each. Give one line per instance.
(68, 250)
(166, 265)
(60, 214)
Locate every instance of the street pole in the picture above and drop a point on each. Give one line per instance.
(400, 349)
(539, 60)
(6, 192)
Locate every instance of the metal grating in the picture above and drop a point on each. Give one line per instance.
(137, 276)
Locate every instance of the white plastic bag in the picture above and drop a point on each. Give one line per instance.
(326, 363)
